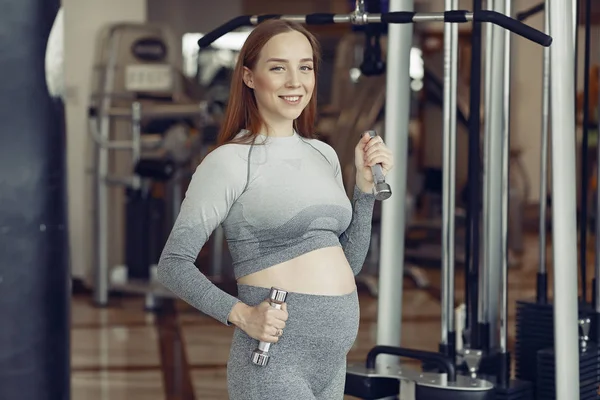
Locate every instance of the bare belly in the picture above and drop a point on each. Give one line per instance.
(323, 272)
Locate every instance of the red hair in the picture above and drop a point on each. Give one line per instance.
(242, 111)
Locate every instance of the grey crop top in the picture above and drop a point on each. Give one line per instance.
(276, 199)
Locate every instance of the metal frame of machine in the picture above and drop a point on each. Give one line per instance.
(102, 112)
(496, 198)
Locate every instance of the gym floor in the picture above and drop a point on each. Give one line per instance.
(121, 352)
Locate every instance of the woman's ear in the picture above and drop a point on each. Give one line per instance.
(248, 78)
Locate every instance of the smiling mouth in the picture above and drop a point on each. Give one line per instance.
(291, 99)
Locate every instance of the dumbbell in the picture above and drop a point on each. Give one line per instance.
(382, 190)
(260, 356)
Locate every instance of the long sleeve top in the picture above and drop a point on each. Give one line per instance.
(276, 200)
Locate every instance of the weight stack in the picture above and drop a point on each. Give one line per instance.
(145, 232)
(517, 390)
(589, 373)
(535, 332)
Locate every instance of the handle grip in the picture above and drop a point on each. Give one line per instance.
(460, 16)
(382, 190)
(260, 356)
(514, 26)
(395, 17)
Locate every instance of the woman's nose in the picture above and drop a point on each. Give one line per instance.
(293, 80)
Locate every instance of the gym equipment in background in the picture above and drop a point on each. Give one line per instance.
(424, 234)
(484, 356)
(561, 58)
(481, 311)
(534, 319)
(448, 330)
(585, 102)
(212, 69)
(473, 203)
(545, 381)
(35, 281)
(490, 346)
(147, 139)
(535, 336)
(446, 386)
(423, 243)
(423, 246)
(372, 381)
(564, 207)
(596, 280)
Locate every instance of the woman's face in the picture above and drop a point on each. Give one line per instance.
(283, 78)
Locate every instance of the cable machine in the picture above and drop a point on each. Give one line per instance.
(385, 377)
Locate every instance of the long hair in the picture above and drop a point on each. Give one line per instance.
(242, 110)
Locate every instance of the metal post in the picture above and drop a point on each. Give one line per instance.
(136, 139)
(544, 148)
(449, 178)
(101, 209)
(391, 267)
(493, 179)
(564, 207)
(150, 301)
(483, 314)
(100, 225)
(505, 166)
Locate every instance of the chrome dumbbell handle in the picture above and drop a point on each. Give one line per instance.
(260, 356)
(382, 190)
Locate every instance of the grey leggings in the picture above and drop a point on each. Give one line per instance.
(309, 360)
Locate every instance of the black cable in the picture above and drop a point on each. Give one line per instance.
(474, 185)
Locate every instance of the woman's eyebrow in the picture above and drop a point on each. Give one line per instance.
(285, 61)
